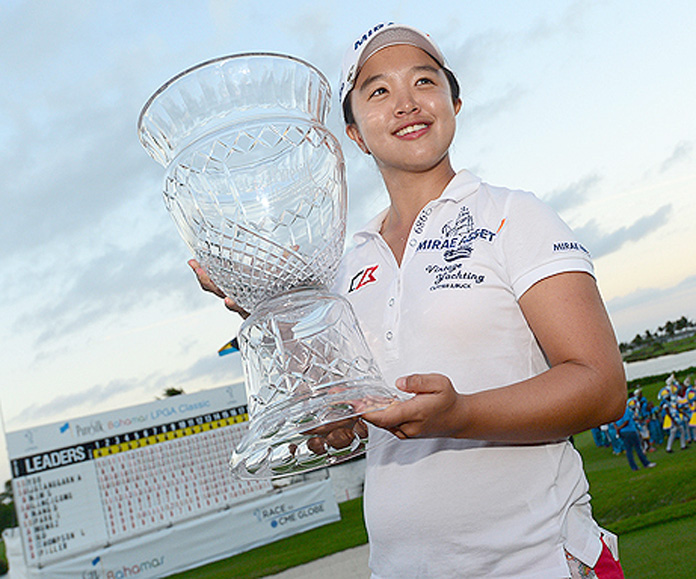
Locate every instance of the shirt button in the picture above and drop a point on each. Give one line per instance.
(391, 302)
(389, 335)
(412, 242)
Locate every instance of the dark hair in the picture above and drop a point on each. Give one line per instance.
(349, 119)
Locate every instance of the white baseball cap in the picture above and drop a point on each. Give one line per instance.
(378, 37)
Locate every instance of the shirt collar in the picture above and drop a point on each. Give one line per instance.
(462, 184)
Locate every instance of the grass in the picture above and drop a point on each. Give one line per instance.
(624, 500)
(662, 551)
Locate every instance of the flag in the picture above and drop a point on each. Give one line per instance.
(229, 348)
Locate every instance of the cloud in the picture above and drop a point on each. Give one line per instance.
(649, 308)
(570, 21)
(73, 161)
(471, 58)
(644, 295)
(601, 243)
(70, 118)
(573, 195)
(477, 114)
(86, 234)
(682, 152)
(366, 193)
(114, 284)
(68, 404)
(211, 370)
(480, 53)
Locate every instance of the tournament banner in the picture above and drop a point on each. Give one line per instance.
(99, 481)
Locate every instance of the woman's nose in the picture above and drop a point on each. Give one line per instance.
(406, 104)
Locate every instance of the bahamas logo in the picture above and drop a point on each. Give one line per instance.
(362, 278)
(458, 236)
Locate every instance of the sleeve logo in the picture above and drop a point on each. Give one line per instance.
(569, 246)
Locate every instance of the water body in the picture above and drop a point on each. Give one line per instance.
(661, 365)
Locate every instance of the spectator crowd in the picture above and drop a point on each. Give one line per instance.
(645, 425)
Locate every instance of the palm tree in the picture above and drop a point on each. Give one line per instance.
(669, 328)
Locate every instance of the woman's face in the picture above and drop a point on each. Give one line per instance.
(403, 110)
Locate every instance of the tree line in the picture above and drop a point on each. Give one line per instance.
(670, 331)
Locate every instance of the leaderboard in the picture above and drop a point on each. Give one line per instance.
(116, 483)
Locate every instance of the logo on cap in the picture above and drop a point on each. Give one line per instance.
(365, 37)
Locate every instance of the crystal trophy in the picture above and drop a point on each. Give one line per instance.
(255, 183)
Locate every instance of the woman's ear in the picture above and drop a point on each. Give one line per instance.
(457, 106)
(354, 135)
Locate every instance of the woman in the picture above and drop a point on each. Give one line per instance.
(482, 305)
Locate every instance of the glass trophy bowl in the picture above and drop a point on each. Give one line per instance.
(256, 186)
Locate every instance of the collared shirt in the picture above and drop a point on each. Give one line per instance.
(465, 508)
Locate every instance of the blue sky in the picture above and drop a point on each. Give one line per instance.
(587, 103)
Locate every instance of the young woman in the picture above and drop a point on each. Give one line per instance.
(481, 303)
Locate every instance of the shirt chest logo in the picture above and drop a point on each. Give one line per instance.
(458, 237)
(364, 277)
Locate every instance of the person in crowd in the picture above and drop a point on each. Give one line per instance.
(629, 432)
(684, 407)
(691, 402)
(617, 446)
(600, 437)
(657, 435)
(639, 405)
(673, 420)
(482, 306)
(671, 386)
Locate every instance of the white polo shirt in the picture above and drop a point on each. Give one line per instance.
(465, 508)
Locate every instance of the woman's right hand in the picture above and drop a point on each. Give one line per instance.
(208, 285)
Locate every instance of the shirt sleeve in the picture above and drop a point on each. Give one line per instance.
(537, 243)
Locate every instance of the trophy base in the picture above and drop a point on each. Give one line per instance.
(304, 435)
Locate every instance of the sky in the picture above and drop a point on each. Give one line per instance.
(589, 104)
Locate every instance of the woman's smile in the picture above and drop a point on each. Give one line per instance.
(412, 131)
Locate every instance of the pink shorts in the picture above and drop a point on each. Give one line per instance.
(606, 567)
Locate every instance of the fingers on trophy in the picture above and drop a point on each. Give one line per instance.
(208, 285)
(255, 183)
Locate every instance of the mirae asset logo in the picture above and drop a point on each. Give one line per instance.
(570, 246)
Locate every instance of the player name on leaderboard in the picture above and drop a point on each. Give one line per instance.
(103, 489)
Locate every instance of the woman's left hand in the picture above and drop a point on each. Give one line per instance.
(434, 411)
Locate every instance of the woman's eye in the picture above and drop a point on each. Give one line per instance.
(424, 81)
(378, 92)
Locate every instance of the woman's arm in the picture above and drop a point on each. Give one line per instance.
(584, 387)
